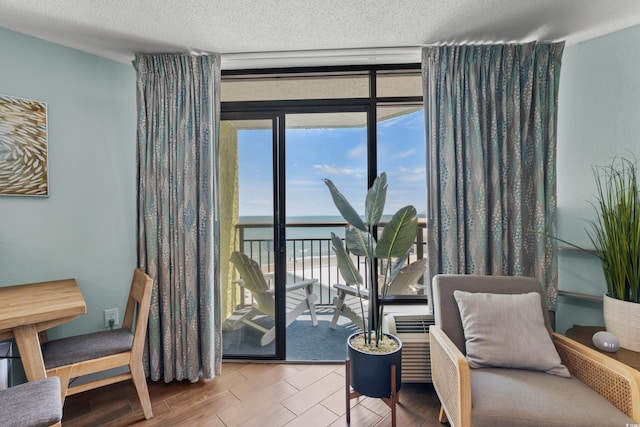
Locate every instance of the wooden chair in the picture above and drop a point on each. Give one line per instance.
(32, 404)
(347, 302)
(96, 352)
(299, 297)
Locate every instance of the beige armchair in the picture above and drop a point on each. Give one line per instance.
(599, 392)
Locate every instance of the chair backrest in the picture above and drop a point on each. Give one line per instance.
(407, 276)
(254, 280)
(137, 308)
(445, 307)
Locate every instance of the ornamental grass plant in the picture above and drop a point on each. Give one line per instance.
(615, 231)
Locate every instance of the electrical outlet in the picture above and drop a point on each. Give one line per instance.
(111, 314)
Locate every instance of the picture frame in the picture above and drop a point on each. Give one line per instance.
(24, 165)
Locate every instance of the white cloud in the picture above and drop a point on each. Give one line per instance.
(357, 152)
(414, 175)
(333, 170)
(404, 154)
(411, 178)
(303, 182)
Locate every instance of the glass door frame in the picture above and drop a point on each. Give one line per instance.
(279, 108)
(279, 236)
(277, 116)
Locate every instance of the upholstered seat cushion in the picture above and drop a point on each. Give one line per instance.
(516, 397)
(32, 404)
(66, 351)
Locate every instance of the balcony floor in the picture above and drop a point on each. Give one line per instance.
(304, 341)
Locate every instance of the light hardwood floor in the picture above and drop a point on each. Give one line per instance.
(252, 394)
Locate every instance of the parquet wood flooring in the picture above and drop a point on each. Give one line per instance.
(252, 394)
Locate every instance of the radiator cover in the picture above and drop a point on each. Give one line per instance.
(413, 331)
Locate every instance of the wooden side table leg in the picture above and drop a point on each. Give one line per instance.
(351, 394)
(394, 395)
(347, 368)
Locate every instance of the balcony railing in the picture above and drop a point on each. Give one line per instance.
(308, 250)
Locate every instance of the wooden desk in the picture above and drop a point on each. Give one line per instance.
(26, 310)
(584, 335)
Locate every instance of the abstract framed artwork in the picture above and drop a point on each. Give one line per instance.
(24, 164)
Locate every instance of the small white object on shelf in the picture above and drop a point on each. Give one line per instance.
(606, 341)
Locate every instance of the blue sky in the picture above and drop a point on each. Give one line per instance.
(340, 155)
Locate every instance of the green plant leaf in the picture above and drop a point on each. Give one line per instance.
(397, 266)
(360, 243)
(398, 234)
(376, 197)
(347, 268)
(344, 207)
(397, 239)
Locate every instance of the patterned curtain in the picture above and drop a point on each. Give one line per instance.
(178, 119)
(491, 114)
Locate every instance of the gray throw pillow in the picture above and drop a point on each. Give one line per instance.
(508, 331)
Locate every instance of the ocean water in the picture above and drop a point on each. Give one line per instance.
(294, 231)
(308, 252)
(302, 241)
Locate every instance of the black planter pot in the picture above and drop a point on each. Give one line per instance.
(370, 373)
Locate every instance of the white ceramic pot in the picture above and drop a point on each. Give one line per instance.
(622, 319)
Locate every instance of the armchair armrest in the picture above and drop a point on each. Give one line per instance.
(352, 290)
(451, 378)
(292, 287)
(615, 381)
(301, 284)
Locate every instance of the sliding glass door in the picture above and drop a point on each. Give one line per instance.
(283, 132)
(330, 145)
(277, 218)
(249, 236)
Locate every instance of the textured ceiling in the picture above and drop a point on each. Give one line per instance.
(280, 31)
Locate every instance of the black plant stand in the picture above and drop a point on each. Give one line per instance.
(391, 401)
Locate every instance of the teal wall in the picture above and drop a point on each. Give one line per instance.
(598, 118)
(86, 227)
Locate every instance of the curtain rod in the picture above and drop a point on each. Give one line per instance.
(351, 56)
(345, 56)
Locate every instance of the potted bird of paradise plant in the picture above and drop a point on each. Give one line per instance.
(371, 352)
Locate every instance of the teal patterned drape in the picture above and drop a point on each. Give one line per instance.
(178, 126)
(491, 114)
